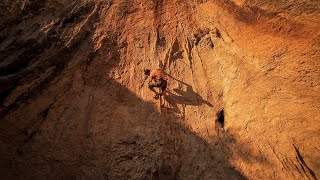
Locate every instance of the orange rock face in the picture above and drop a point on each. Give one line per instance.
(242, 100)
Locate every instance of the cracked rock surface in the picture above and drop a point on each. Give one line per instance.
(242, 102)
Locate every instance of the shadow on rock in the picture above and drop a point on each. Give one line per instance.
(186, 98)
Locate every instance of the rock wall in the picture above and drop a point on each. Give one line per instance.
(242, 102)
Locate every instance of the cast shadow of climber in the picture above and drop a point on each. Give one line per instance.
(184, 98)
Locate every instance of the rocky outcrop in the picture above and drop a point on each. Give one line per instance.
(242, 101)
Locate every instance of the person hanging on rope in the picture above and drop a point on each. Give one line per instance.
(156, 79)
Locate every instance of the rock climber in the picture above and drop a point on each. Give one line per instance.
(156, 79)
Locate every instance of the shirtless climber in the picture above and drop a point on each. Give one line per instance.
(156, 79)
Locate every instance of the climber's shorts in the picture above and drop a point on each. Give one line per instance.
(158, 83)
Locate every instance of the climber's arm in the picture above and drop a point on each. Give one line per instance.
(151, 76)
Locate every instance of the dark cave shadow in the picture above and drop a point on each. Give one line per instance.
(188, 97)
(178, 141)
(20, 69)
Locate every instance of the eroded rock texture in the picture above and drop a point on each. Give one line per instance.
(243, 98)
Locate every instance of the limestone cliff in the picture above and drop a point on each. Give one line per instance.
(243, 91)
